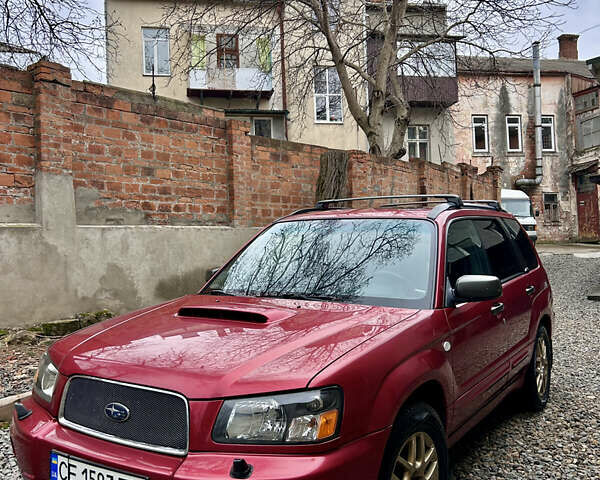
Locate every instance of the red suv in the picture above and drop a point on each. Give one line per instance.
(340, 343)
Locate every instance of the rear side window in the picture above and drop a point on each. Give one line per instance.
(465, 254)
(502, 257)
(521, 242)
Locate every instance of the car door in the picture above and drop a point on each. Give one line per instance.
(478, 333)
(525, 289)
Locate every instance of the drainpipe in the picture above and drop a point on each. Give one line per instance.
(281, 12)
(537, 89)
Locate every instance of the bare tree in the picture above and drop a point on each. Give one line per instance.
(68, 31)
(375, 47)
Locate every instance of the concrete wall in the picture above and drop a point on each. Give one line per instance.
(56, 268)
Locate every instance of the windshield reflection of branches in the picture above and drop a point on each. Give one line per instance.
(335, 257)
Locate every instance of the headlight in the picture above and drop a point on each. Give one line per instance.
(303, 417)
(45, 378)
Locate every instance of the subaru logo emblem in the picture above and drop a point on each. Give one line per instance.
(117, 412)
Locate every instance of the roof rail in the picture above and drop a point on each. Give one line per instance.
(454, 200)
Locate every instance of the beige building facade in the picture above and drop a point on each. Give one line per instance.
(240, 71)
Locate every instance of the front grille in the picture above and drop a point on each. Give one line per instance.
(158, 420)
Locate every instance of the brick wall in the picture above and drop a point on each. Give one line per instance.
(136, 160)
(17, 140)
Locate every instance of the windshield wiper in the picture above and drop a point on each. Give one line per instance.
(217, 291)
(308, 296)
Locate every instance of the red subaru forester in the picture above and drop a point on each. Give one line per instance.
(340, 343)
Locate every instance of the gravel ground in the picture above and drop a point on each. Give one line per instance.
(18, 364)
(562, 442)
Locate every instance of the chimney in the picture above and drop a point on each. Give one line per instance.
(567, 47)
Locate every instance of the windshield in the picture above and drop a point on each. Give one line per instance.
(519, 208)
(386, 262)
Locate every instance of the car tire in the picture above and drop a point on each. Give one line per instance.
(417, 446)
(537, 379)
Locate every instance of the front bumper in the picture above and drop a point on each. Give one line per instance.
(36, 436)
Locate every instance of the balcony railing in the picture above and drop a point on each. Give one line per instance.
(214, 81)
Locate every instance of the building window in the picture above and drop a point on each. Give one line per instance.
(480, 133)
(438, 60)
(586, 101)
(548, 134)
(328, 96)
(513, 133)
(590, 133)
(228, 51)
(418, 142)
(551, 208)
(156, 51)
(198, 51)
(263, 127)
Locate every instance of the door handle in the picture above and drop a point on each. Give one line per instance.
(497, 308)
(530, 290)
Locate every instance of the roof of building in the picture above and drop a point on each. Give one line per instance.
(489, 65)
(9, 48)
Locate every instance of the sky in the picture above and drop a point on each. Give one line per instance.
(585, 16)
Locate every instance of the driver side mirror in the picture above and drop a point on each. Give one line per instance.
(537, 213)
(210, 272)
(476, 288)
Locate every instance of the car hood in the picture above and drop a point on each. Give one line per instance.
(210, 347)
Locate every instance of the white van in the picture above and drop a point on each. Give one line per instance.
(517, 202)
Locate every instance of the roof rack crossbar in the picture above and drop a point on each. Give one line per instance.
(454, 200)
(495, 204)
(416, 202)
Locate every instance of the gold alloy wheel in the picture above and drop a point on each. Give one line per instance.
(417, 459)
(542, 367)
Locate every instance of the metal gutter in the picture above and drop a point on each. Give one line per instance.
(537, 86)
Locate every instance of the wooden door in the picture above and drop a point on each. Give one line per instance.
(587, 209)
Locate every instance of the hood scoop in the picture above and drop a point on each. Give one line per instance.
(223, 314)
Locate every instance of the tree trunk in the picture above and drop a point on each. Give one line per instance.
(333, 176)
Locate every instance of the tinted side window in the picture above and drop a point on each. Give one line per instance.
(465, 254)
(522, 243)
(502, 257)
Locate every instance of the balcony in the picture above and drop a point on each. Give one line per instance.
(230, 82)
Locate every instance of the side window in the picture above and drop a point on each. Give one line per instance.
(502, 257)
(465, 254)
(522, 243)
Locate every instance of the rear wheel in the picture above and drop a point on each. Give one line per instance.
(417, 447)
(537, 380)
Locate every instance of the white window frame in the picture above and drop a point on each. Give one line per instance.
(487, 138)
(417, 141)
(155, 62)
(327, 96)
(520, 132)
(552, 133)
(254, 119)
(589, 128)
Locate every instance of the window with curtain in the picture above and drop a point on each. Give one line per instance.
(156, 51)
(263, 47)
(198, 47)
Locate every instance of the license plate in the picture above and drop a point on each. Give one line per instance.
(65, 467)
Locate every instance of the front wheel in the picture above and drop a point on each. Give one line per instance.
(417, 447)
(537, 380)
